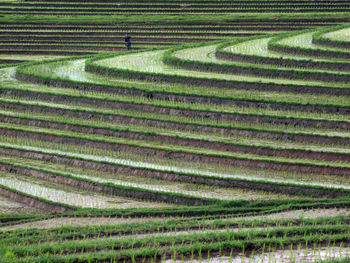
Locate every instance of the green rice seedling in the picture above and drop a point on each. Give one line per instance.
(146, 232)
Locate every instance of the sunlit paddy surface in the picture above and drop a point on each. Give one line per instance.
(66, 195)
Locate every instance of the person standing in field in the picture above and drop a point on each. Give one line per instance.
(127, 42)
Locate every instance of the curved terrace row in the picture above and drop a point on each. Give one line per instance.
(80, 39)
(53, 71)
(168, 147)
(169, 7)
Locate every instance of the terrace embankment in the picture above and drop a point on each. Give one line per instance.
(179, 144)
(329, 38)
(19, 46)
(175, 5)
(187, 80)
(90, 67)
(160, 11)
(222, 146)
(47, 52)
(11, 61)
(238, 117)
(281, 62)
(195, 2)
(96, 39)
(30, 201)
(78, 36)
(318, 139)
(330, 43)
(119, 35)
(186, 156)
(167, 97)
(136, 28)
(233, 26)
(174, 61)
(95, 187)
(307, 52)
(82, 221)
(291, 189)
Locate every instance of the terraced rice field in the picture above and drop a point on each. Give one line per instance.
(38, 7)
(222, 136)
(341, 34)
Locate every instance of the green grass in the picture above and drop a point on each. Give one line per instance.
(160, 227)
(104, 113)
(339, 35)
(191, 168)
(148, 146)
(9, 206)
(302, 43)
(149, 185)
(203, 58)
(151, 62)
(184, 244)
(67, 195)
(162, 19)
(65, 70)
(215, 204)
(151, 130)
(259, 47)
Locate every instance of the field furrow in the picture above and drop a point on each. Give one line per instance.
(174, 131)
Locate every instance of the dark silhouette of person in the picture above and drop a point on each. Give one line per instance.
(127, 42)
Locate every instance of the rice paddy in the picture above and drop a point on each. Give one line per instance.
(223, 135)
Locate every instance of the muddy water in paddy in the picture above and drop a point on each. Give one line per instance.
(8, 206)
(83, 221)
(310, 254)
(167, 168)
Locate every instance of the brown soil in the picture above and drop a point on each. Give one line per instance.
(164, 124)
(33, 202)
(8, 206)
(94, 187)
(83, 221)
(282, 62)
(289, 153)
(239, 85)
(192, 157)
